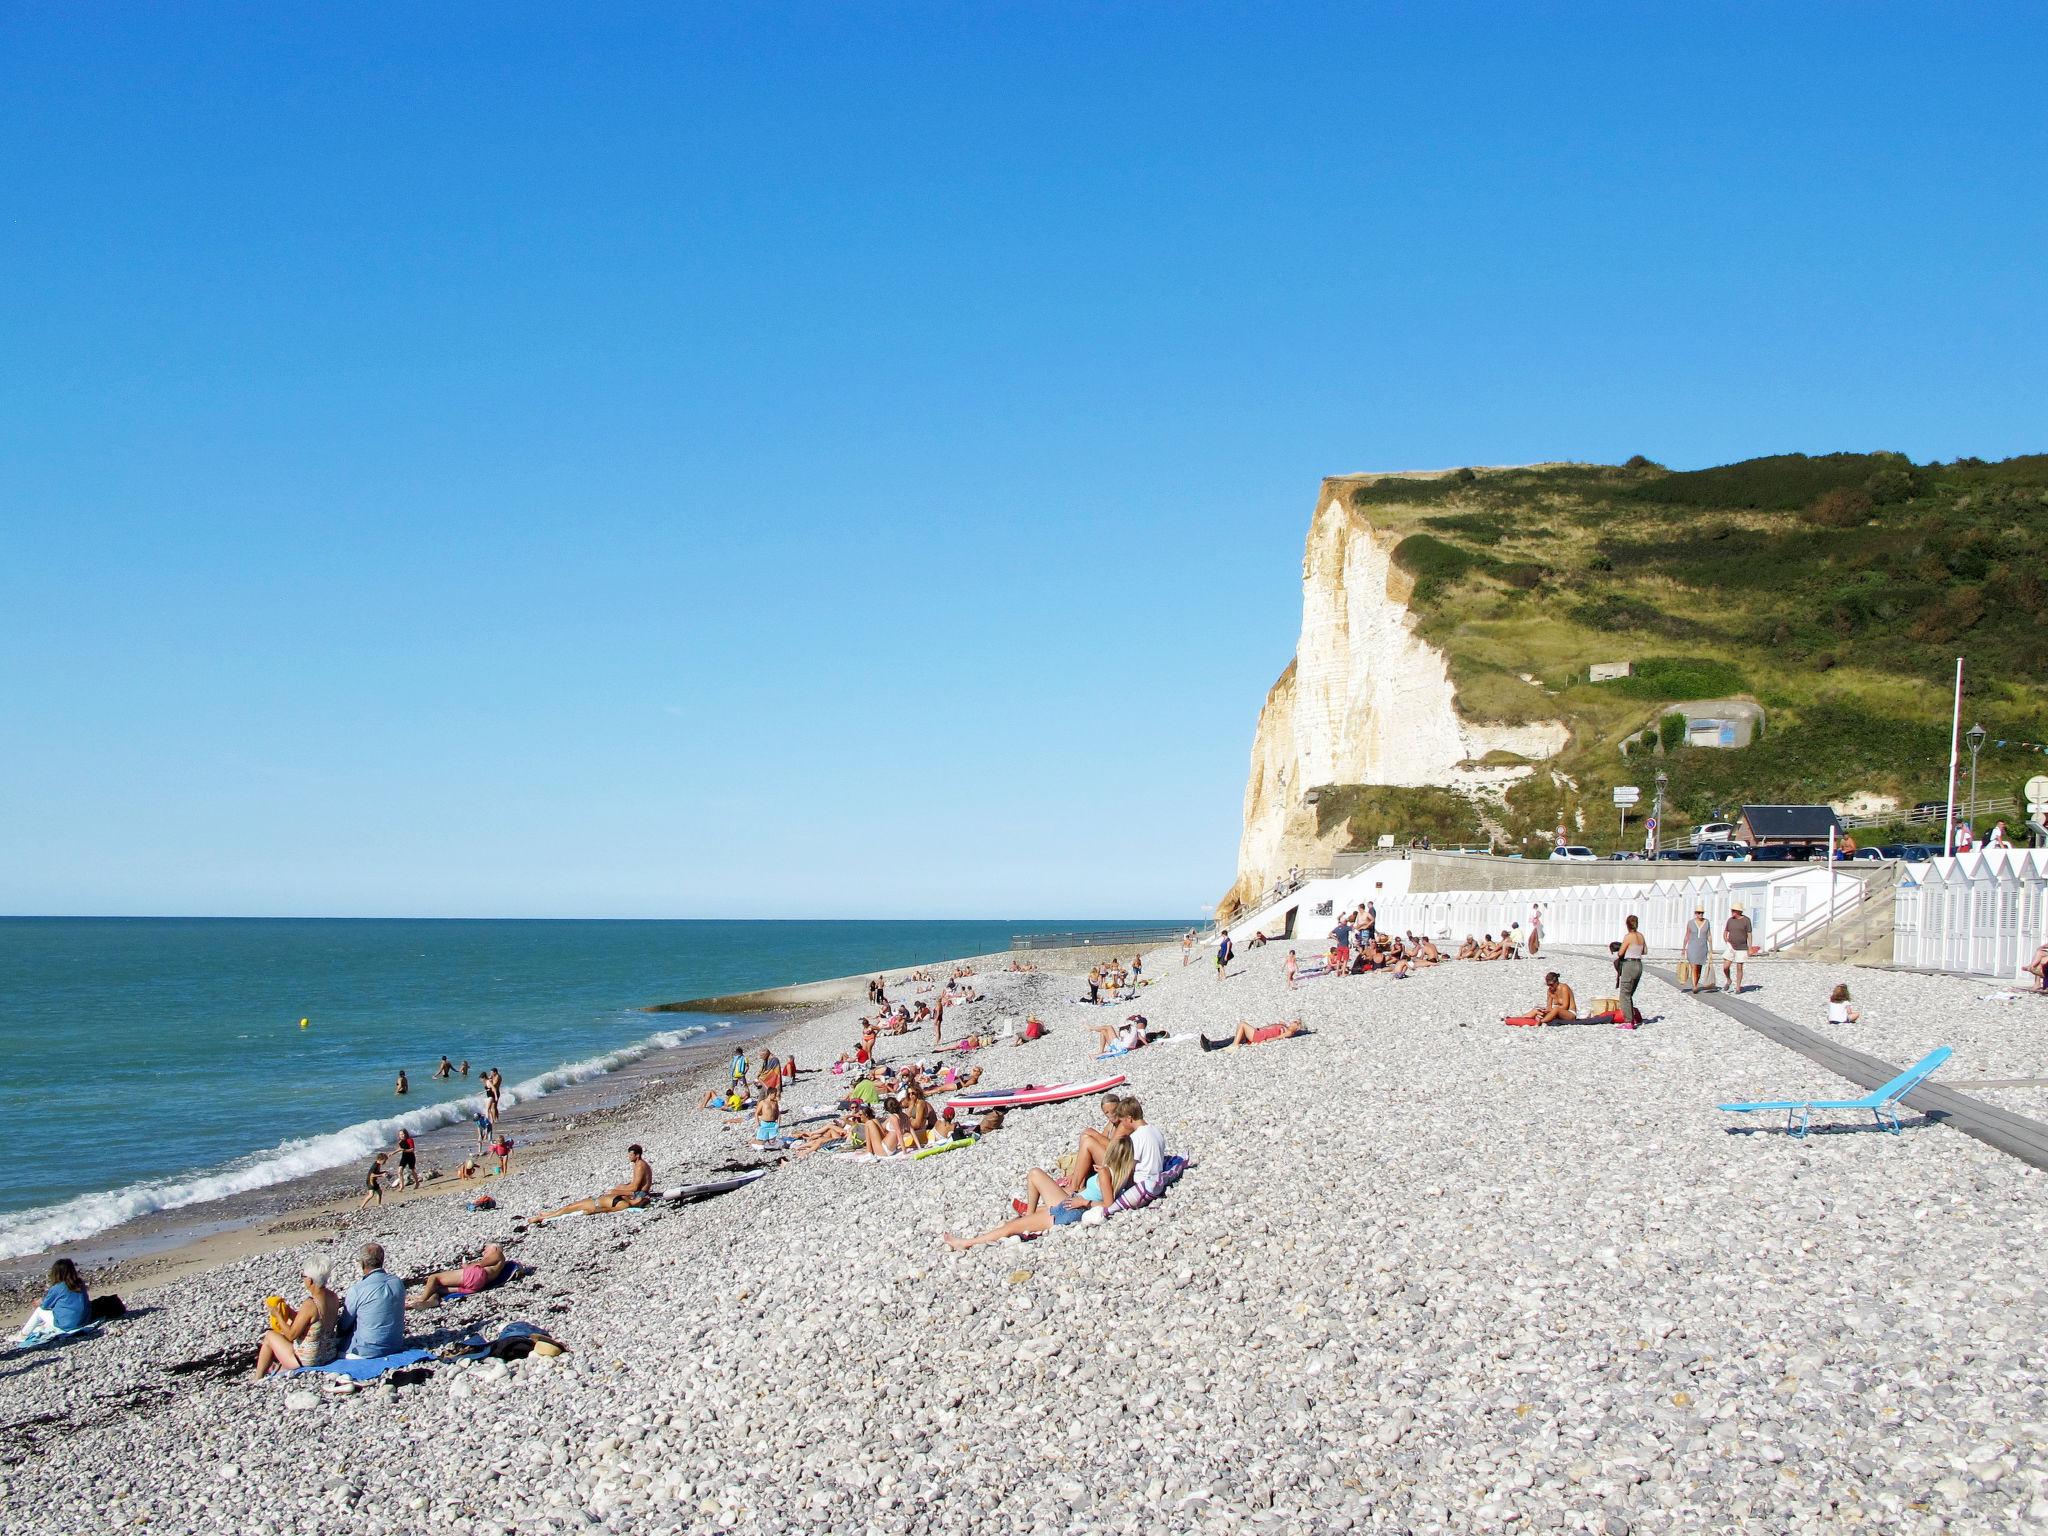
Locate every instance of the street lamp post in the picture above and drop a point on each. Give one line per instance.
(1657, 816)
(1975, 737)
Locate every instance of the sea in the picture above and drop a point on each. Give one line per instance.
(163, 1063)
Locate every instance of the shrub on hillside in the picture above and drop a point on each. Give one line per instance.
(1393, 490)
(1435, 563)
(1841, 508)
(1783, 482)
(1671, 731)
(1679, 677)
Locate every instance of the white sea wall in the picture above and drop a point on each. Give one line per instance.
(1365, 701)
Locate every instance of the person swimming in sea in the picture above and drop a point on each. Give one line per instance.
(403, 1088)
(446, 1069)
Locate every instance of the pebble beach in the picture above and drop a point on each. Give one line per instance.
(1426, 1273)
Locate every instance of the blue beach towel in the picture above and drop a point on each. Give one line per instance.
(369, 1369)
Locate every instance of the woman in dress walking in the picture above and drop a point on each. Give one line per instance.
(1699, 946)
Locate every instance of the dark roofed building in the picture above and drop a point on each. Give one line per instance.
(1768, 826)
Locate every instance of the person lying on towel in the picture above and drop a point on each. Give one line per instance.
(487, 1270)
(1264, 1034)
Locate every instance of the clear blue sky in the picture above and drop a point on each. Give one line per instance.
(853, 460)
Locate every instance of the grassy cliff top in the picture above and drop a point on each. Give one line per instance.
(1835, 590)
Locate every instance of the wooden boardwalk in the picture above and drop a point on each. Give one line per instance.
(2015, 1135)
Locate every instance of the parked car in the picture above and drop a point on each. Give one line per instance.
(1625, 855)
(1575, 853)
(1677, 855)
(1911, 853)
(1869, 855)
(1723, 853)
(1713, 832)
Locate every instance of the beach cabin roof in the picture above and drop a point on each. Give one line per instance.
(1789, 823)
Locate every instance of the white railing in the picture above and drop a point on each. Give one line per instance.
(1977, 914)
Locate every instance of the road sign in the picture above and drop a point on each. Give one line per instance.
(1650, 826)
(1627, 794)
(2037, 792)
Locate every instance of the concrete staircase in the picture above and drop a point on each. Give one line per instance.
(1861, 937)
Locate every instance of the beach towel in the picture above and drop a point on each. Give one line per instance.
(369, 1369)
(42, 1329)
(1134, 1197)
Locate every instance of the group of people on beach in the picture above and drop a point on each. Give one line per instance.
(1114, 983)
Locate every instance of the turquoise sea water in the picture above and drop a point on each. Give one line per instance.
(157, 1062)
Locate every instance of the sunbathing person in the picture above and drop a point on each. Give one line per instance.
(918, 1113)
(1559, 1005)
(1469, 950)
(1093, 1147)
(1051, 1206)
(1263, 1035)
(633, 1192)
(309, 1336)
(1127, 1036)
(487, 1270)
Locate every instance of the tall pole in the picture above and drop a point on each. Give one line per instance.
(1976, 746)
(1955, 740)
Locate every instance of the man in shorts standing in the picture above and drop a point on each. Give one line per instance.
(1736, 935)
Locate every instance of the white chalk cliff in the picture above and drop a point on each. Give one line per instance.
(1365, 701)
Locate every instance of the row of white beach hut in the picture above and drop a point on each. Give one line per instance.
(1782, 906)
(1980, 914)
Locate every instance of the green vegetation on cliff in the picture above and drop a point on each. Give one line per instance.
(1835, 590)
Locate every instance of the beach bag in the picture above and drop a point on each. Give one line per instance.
(104, 1309)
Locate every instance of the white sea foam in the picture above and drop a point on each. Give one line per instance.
(32, 1231)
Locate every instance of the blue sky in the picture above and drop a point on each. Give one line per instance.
(853, 460)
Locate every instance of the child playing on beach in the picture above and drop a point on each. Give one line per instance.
(1290, 970)
(483, 1132)
(373, 1182)
(1840, 1009)
(501, 1149)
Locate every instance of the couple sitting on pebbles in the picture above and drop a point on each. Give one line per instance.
(1117, 1168)
(369, 1321)
(1488, 949)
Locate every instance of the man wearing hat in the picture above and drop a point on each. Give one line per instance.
(1698, 948)
(1736, 935)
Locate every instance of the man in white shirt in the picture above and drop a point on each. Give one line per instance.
(1148, 1156)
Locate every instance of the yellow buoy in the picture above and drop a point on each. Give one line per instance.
(303, 1023)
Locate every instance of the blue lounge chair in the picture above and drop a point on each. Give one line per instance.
(1882, 1102)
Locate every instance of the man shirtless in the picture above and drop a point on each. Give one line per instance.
(1263, 1035)
(486, 1271)
(633, 1192)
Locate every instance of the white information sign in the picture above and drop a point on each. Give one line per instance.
(1627, 794)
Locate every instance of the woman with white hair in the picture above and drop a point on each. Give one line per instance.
(309, 1336)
